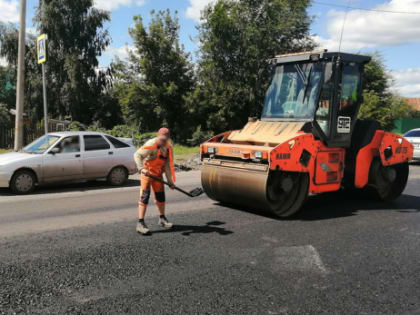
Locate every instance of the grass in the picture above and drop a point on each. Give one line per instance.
(5, 150)
(183, 153)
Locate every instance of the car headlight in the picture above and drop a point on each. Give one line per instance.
(258, 154)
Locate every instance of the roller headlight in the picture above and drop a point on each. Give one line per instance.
(212, 150)
(258, 154)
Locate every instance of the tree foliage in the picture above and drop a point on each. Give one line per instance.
(7, 88)
(237, 38)
(5, 120)
(157, 77)
(76, 87)
(8, 74)
(76, 38)
(379, 103)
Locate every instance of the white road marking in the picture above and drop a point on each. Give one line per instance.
(300, 258)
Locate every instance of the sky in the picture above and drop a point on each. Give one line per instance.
(392, 29)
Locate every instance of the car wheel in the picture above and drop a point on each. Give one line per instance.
(118, 176)
(23, 182)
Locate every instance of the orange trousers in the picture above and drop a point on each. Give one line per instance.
(146, 184)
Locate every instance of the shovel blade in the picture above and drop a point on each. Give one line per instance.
(196, 192)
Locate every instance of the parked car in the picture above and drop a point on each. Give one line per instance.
(67, 156)
(413, 136)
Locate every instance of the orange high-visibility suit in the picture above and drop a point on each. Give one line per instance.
(156, 160)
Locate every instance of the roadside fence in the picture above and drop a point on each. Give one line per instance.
(7, 135)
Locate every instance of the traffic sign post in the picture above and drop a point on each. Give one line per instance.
(42, 48)
(42, 58)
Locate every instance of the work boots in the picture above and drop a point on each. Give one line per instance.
(142, 228)
(163, 222)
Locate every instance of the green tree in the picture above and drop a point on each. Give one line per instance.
(237, 38)
(107, 112)
(76, 38)
(379, 103)
(376, 78)
(8, 74)
(7, 88)
(153, 84)
(5, 121)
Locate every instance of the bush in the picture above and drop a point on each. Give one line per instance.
(199, 136)
(96, 126)
(140, 139)
(123, 131)
(384, 109)
(77, 126)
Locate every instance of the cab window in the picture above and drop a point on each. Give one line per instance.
(322, 114)
(293, 91)
(349, 90)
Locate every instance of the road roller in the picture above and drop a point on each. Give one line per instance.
(308, 140)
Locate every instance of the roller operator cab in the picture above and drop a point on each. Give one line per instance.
(308, 140)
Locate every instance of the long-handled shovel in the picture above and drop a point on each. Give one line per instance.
(193, 193)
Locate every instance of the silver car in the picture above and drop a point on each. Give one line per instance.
(67, 156)
(413, 136)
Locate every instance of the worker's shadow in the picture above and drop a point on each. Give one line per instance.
(210, 227)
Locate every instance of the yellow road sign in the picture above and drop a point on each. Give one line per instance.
(42, 48)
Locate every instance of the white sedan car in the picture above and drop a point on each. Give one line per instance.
(413, 136)
(67, 156)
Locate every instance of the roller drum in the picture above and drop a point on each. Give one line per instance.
(236, 185)
(252, 185)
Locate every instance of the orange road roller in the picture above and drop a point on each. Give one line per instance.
(308, 140)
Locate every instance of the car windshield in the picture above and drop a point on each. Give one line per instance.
(294, 91)
(41, 145)
(413, 134)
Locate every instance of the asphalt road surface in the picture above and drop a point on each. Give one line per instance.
(73, 249)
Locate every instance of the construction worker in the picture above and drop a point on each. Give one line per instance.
(154, 158)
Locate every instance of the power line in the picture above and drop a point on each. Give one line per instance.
(344, 24)
(363, 9)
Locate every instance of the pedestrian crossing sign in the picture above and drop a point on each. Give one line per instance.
(42, 48)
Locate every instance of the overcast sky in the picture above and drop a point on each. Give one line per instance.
(395, 35)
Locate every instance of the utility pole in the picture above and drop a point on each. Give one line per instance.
(20, 86)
